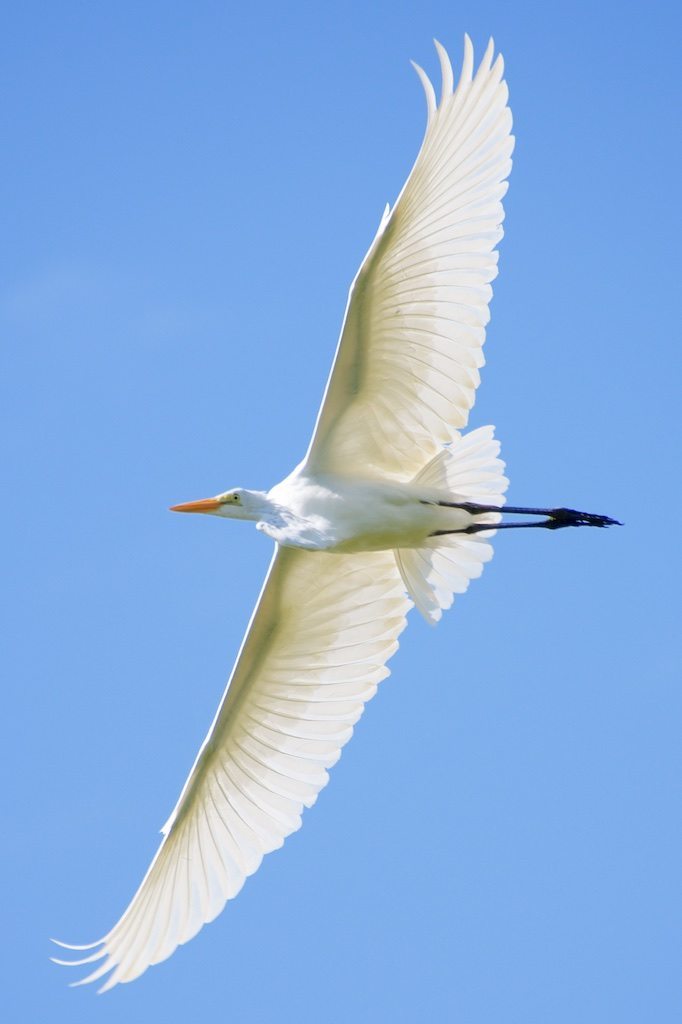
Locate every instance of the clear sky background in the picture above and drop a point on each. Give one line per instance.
(188, 189)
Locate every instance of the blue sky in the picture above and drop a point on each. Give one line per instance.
(188, 189)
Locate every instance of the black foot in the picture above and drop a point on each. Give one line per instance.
(560, 517)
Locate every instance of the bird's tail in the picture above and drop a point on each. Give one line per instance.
(471, 469)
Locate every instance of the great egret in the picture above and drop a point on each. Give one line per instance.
(389, 501)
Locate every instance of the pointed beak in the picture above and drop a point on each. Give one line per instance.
(205, 505)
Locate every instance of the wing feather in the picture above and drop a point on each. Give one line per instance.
(306, 668)
(406, 367)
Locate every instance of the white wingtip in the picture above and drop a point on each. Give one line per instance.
(445, 70)
(79, 963)
(109, 984)
(429, 92)
(68, 945)
(94, 975)
(467, 64)
(486, 60)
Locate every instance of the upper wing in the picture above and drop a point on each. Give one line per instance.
(406, 366)
(314, 652)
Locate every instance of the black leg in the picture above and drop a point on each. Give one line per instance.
(557, 517)
(546, 524)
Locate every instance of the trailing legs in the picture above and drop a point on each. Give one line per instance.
(555, 518)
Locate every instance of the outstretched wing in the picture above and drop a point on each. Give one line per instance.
(406, 367)
(315, 650)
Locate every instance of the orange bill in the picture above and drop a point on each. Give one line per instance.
(205, 505)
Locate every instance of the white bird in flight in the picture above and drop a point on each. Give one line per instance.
(390, 507)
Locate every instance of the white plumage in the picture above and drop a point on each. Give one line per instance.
(354, 524)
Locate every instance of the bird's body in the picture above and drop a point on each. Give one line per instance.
(352, 514)
(391, 507)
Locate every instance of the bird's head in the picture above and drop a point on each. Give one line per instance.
(235, 504)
